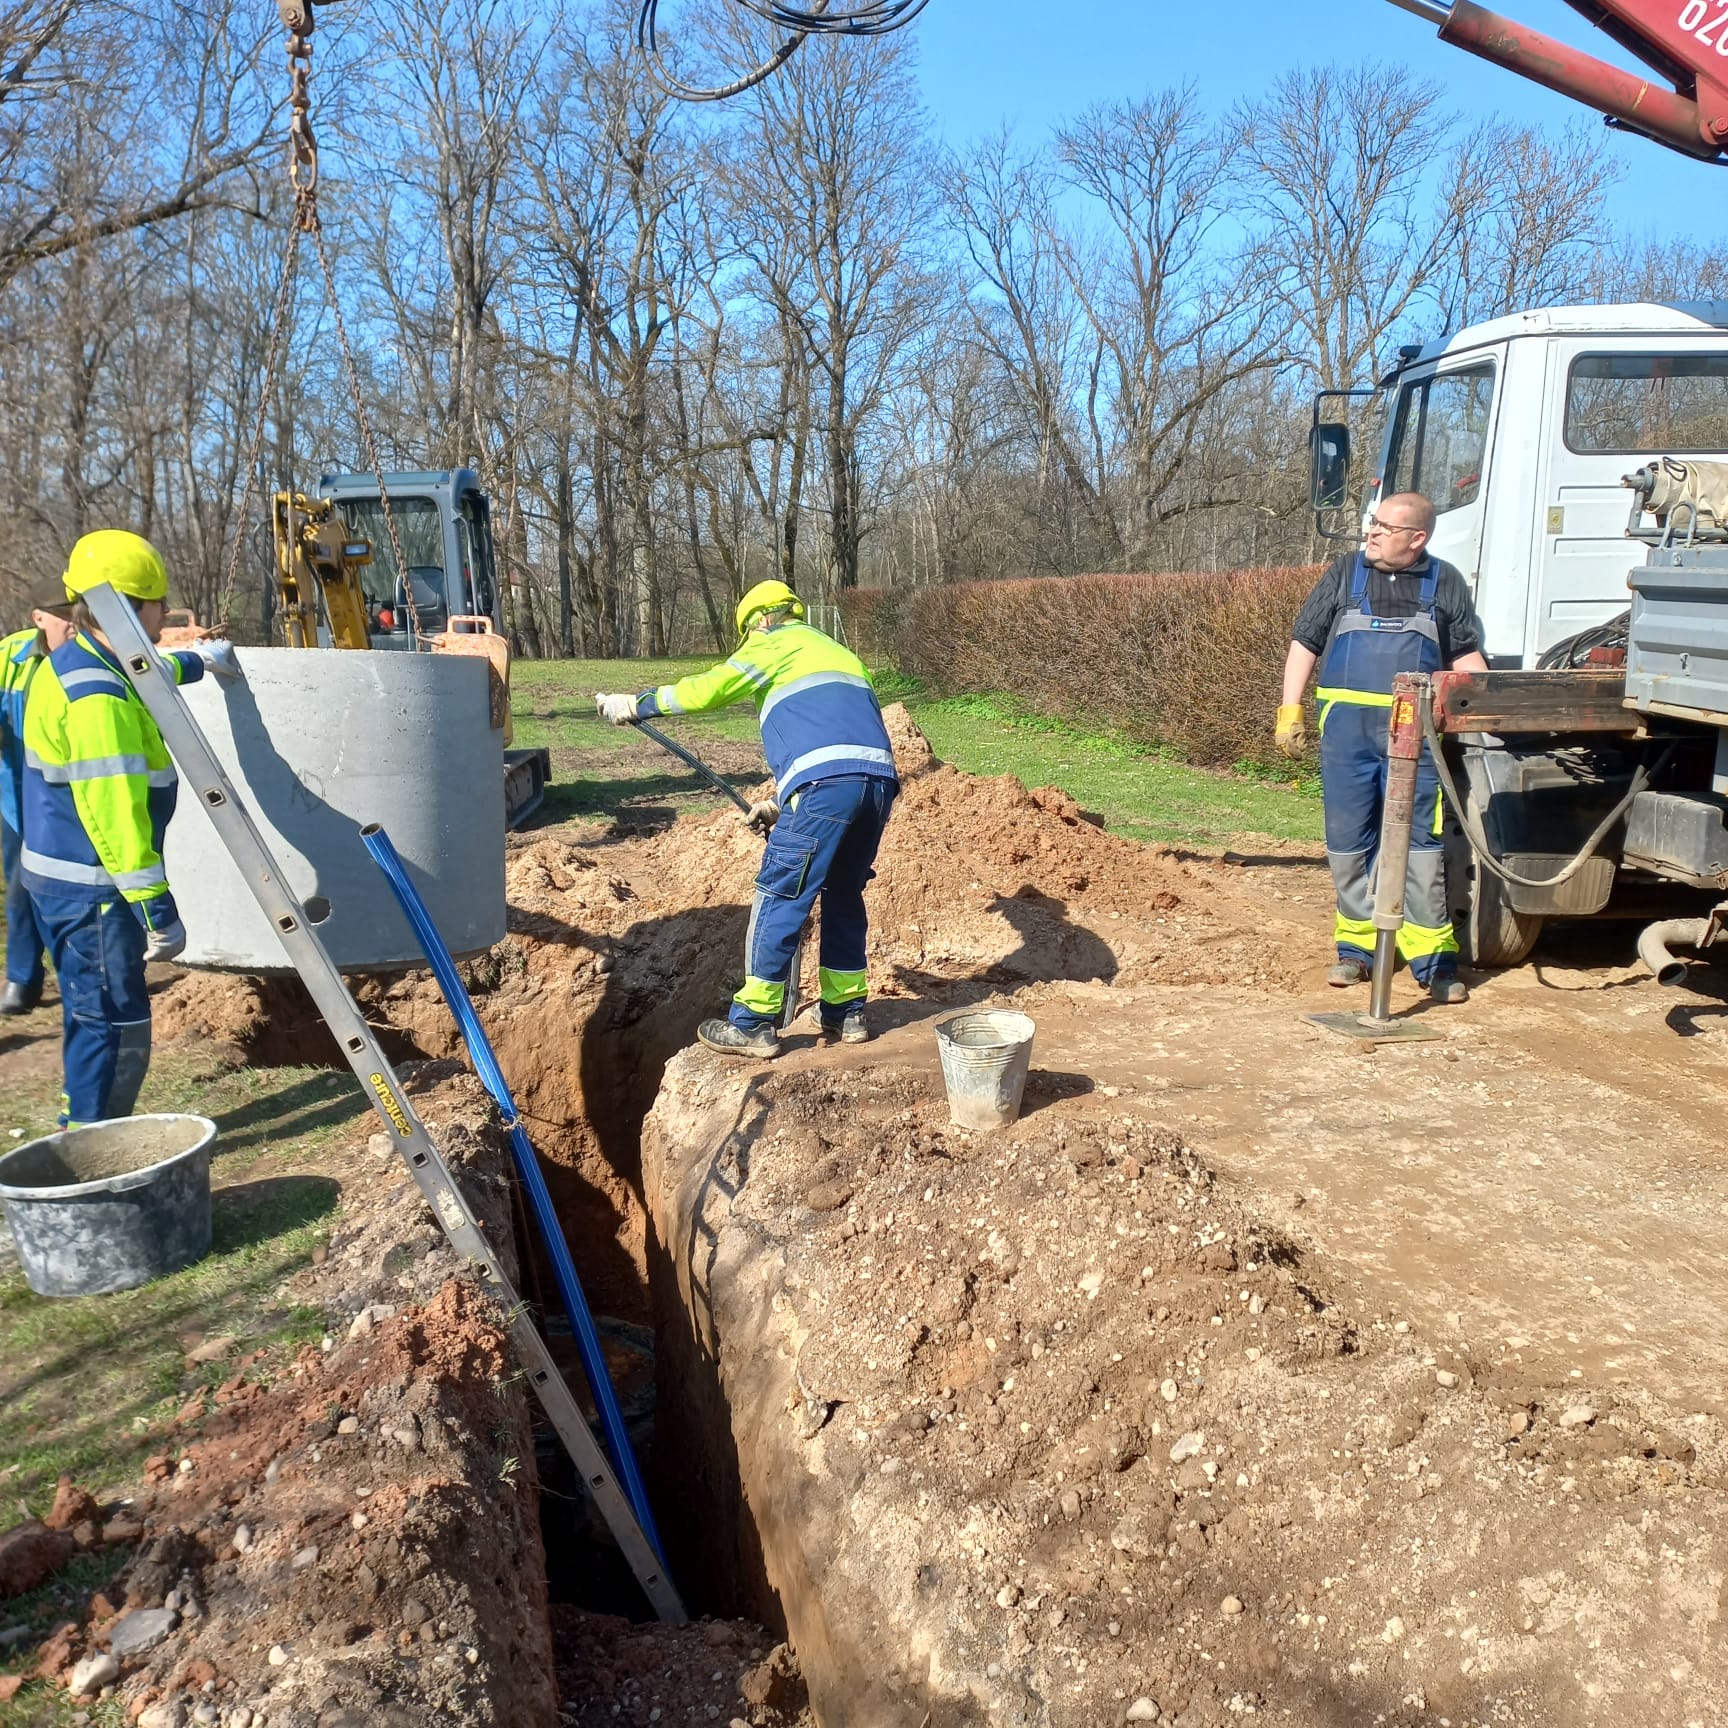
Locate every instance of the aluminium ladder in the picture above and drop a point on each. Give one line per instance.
(191, 750)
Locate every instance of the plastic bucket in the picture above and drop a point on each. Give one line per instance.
(111, 1205)
(985, 1057)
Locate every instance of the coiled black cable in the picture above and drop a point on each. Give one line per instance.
(877, 18)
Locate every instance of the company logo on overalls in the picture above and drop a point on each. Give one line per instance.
(387, 1103)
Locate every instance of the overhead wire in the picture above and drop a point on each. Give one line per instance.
(878, 18)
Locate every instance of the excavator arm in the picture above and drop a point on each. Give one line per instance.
(317, 554)
(1684, 42)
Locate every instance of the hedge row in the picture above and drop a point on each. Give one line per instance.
(1191, 661)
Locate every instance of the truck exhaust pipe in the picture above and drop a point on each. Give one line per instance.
(1656, 939)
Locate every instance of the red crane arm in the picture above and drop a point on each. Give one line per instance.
(1684, 41)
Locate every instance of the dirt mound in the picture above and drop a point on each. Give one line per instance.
(351, 1537)
(1048, 1423)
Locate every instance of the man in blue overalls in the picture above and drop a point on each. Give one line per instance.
(1387, 609)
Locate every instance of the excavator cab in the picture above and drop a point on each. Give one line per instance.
(444, 522)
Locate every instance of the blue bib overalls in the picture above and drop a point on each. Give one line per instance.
(1355, 694)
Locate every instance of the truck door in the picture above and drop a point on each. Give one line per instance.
(1440, 445)
(1612, 403)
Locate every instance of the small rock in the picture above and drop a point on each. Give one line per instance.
(1008, 1595)
(1230, 1607)
(1394, 1631)
(143, 1629)
(92, 1674)
(72, 1506)
(211, 1350)
(1187, 1446)
(1169, 1391)
(348, 1425)
(1446, 1378)
(278, 1657)
(1070, 1504)
(242, 1541)
(303, 1558)
(1141, 1710)
(185, 1466)
(171, 1714)
(1518, 1425)
(1579, 1416)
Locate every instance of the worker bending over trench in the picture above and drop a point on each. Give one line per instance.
(835, 785)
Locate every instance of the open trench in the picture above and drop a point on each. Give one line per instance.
(1056, 1427)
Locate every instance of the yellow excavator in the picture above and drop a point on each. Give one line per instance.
(337, 585)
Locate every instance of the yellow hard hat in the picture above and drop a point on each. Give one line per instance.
(767, 597)
(127, 562)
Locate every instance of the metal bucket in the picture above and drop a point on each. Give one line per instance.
(111, 1205)
(985, 1057)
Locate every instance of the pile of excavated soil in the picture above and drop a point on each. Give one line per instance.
(352, 1538)
(617, 948)
(983, 882)
(1047, 1428)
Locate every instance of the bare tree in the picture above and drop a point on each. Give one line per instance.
(1338, 166)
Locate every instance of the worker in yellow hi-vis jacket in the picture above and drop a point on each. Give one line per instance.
(99, 789)
(835, 785)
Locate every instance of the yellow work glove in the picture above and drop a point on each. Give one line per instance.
(1292, 733)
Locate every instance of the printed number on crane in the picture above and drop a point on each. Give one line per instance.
(1712, 35)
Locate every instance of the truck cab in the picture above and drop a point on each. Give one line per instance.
(1521, 429)
(444, 522)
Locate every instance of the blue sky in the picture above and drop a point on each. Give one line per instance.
(1035, 62)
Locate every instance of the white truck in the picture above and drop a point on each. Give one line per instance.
(1570, 454)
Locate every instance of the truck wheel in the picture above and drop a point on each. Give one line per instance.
(1490, 930)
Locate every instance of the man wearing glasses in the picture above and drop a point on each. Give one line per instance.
(1387, 609)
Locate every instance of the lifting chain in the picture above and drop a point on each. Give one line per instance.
(303, 177)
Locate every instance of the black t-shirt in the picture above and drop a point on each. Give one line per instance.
(1391, 594)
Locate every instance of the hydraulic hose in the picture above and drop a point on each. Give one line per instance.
(1471, 824)
(377, 842)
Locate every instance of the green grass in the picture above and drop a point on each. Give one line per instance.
(88, 1384)
(1138, 790)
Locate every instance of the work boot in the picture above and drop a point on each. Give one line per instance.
(1448, 988)
(732, 1040)
(849, 1028)
(19, 998)
(1348, 972)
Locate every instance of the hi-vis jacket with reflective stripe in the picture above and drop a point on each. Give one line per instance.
(818, 708)
(99, 786)
(19, 664)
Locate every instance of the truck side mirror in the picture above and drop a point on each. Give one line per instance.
(1329, 465)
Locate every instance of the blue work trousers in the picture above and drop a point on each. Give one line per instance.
(98, 952)
(24, 938)
(1353, 766)
(824, 844)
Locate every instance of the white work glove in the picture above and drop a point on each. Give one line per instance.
(168, 943)
(219, 660)
(762, 815)
(617, 710)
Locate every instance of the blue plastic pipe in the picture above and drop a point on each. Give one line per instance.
(377, 842)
